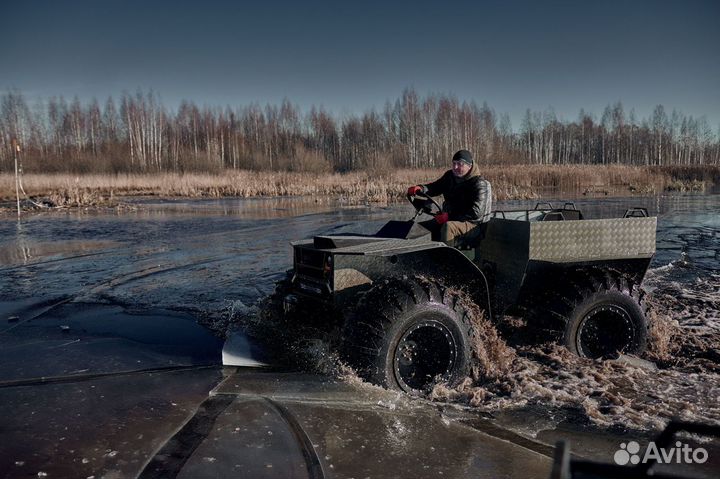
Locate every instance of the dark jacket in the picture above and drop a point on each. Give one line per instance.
(466, 199)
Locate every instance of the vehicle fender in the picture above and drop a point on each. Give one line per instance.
(449, 266)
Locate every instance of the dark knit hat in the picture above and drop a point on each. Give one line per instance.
(464, 156)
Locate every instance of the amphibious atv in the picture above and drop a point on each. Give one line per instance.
(398, 310)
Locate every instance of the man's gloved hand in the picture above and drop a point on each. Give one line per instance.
(413, 190)
(441, 218)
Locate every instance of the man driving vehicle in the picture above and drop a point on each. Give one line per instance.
(468, 201)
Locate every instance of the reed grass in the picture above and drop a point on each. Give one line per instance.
(509, 182)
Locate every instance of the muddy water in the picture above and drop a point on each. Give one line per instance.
(684, 300)
(210, 261)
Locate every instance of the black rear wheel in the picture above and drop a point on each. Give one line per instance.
(408, 335)
(604, 330)
(599, 317)
(605, 323)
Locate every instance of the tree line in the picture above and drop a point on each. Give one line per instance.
(139, 134)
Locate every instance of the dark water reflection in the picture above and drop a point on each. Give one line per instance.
(198, 254)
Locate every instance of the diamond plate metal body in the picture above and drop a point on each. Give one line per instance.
(592, 240)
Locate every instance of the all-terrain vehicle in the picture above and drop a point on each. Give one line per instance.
(402, 323)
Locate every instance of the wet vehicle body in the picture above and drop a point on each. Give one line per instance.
(576, 281)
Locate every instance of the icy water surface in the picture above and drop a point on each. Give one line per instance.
(200, 255)
(81, 291)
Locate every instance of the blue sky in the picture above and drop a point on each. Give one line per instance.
(353, 56)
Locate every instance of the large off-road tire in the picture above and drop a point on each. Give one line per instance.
(408, 334)
(600, 316)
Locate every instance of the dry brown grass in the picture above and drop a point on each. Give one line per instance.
(509, 182)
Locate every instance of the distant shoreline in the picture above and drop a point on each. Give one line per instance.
(56, 191)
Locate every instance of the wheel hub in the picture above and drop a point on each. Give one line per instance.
(407, 352)
(425, 353)
(605, 330)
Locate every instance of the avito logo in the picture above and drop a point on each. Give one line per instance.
(680, 454)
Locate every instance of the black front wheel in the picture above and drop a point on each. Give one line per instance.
(409, 335)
